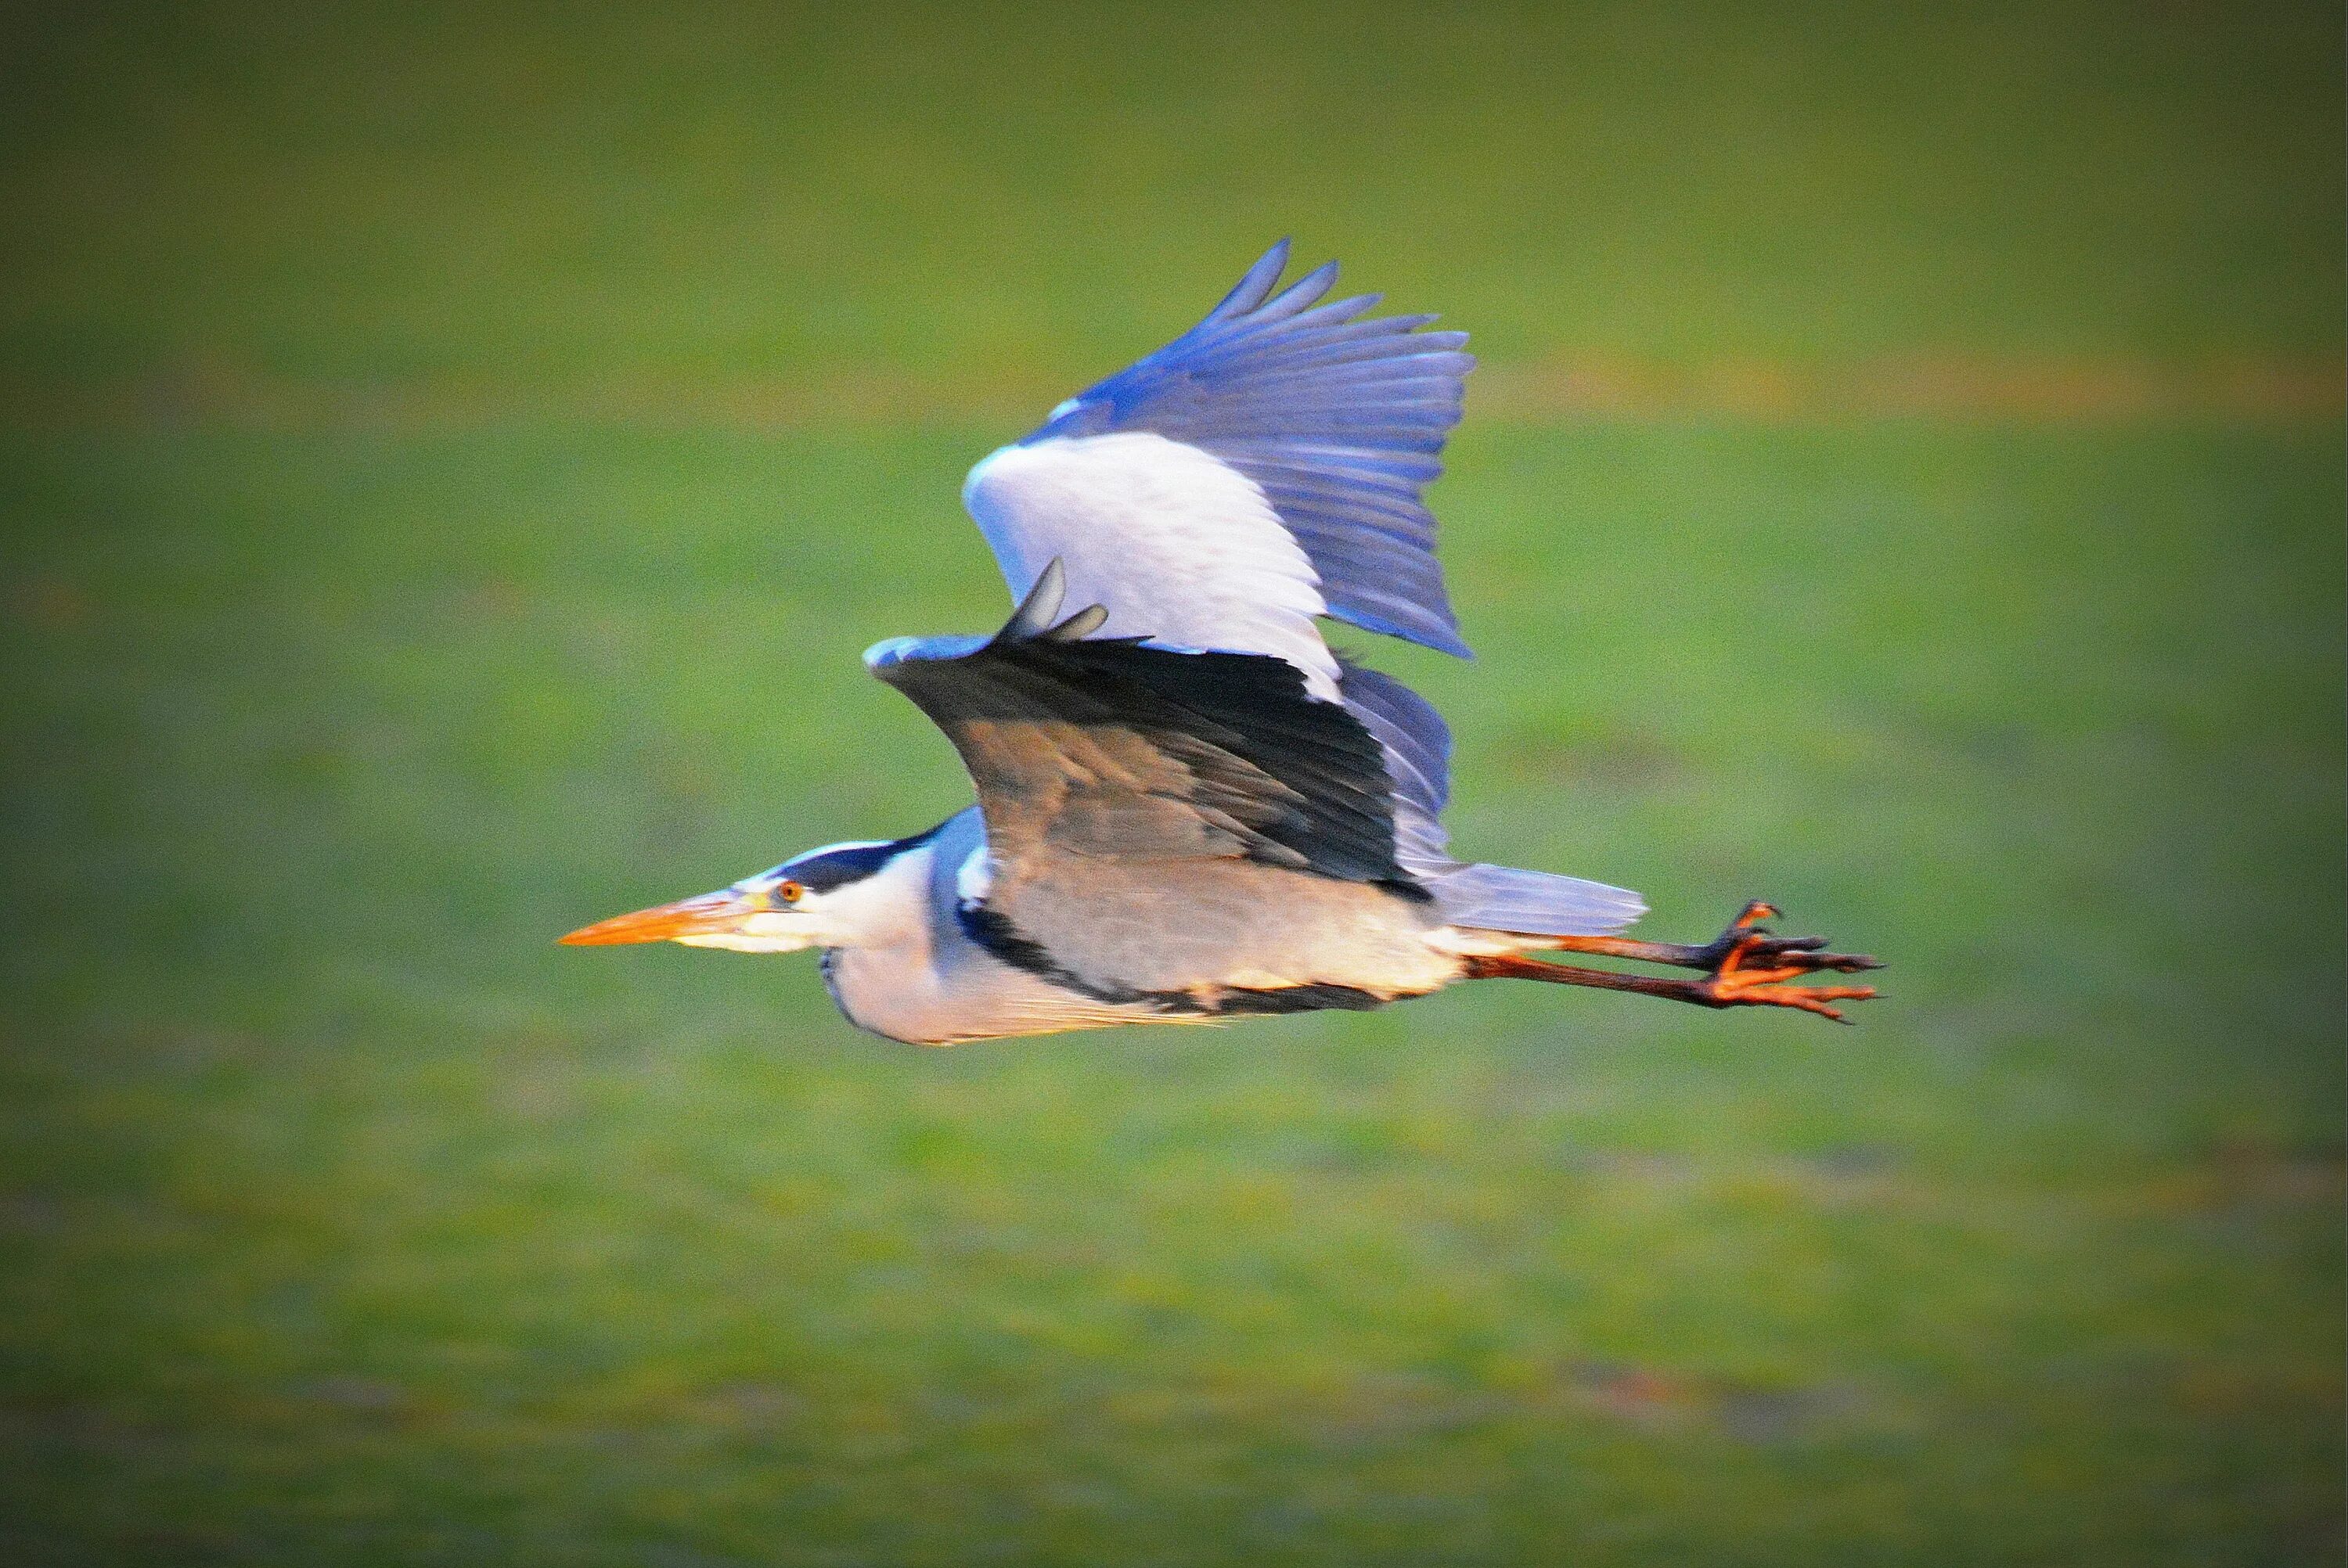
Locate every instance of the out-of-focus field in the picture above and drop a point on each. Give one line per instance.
(453, 463)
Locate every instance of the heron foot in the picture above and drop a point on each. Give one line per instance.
(1745, 966)
(1749, 964)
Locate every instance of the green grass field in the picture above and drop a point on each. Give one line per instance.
(377, 602)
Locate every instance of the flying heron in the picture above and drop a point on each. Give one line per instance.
(1190, 806)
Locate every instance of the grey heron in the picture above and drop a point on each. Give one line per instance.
(1191, 807)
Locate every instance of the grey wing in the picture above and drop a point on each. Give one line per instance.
(1120, 751)
(1202, 800)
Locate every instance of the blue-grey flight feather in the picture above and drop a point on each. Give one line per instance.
(1338, 419)
(1266, 467)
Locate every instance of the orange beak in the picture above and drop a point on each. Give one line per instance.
(708, 912)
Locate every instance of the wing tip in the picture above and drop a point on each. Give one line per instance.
(1255, 284)
(893, 656)
(889, 653)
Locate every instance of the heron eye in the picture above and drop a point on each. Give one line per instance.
(789, 892)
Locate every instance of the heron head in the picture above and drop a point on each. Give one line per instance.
(840, 896)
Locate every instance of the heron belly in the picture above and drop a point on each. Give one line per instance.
(973, 998)
(1223, 935)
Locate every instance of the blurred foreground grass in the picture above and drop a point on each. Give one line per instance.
(349, 1220)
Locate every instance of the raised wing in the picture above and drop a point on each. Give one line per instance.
(1261, 469)
(1111, 751)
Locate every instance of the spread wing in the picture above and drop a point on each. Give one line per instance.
(1264, 468)
(1110, 751)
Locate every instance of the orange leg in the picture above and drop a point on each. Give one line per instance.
(1746, 940)
(1745, 966)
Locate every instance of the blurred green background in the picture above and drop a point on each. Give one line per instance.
(449, 461)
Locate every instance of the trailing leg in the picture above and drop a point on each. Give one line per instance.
(1744, 966)
(1746, 938)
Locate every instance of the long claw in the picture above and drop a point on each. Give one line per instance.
(1845, 963)
(1775, 960)
(1808, 999)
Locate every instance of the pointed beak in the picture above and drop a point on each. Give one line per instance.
(708, 912)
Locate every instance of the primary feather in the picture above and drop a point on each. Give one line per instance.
(1264, 469)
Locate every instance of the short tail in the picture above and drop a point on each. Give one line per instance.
(1534, 903)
